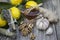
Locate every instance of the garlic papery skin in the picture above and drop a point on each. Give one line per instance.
(49, 31)
(42, 24)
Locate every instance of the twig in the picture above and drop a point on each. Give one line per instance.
(12, 21)
(5, 32)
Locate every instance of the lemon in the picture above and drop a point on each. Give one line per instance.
(15, 2)
(31, 4)
(15, 12)
(2, 22)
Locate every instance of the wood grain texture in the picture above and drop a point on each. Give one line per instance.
(58, 13)
(40, 35)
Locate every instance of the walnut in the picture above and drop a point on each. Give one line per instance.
(24, 31)
(30, 25)
(26, 28)
(32, 36)
(22, 26)
(29, 30)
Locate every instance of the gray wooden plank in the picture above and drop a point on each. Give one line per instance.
(53, 36)
(42, 36)
(58, 13)
(58, 30)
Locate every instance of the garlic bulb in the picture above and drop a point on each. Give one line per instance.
(49, 31)
(52, 17)
(42, 23)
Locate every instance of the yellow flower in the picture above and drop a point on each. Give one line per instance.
(15, 2)
(31, 4)
(15, 12)
(2, 22)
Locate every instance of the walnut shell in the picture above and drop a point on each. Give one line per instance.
(24, 31)
(32, 36)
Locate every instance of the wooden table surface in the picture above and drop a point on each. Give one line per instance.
(40, 35)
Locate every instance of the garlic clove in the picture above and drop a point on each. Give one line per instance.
(40, 26)
(49, 31)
